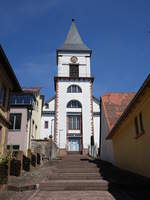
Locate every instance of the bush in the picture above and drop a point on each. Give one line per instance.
(26, 163)
(4, 159)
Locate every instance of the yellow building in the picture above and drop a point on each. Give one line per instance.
(8, 84)
(37, 111)
(131, 134)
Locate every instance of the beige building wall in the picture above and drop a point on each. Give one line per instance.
(131, 152)
(4, 110)
(36, 117)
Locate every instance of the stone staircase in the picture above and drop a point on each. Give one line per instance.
(76, 173)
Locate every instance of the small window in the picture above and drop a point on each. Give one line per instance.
(46, 124)
(136, 126)
(15, 120)
(13, 147)
(74, 89)
(74, 104)
(74, 71)
(141, 122)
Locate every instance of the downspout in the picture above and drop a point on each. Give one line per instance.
(30, 114)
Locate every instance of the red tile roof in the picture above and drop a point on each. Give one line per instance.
(114, 105)
(129, 107)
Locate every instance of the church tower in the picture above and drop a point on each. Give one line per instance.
(74, 98)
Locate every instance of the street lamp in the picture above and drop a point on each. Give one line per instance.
(52, 126)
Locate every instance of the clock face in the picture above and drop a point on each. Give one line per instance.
(74, 59)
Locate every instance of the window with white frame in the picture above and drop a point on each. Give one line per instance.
(74, 122)
(74, 89)
(15, 120)
(74, 104)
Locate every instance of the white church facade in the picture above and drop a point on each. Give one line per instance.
(72, 116)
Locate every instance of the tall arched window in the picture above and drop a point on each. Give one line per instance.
(74, 104)
(74, 89)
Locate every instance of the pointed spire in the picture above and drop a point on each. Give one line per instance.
(73, 41)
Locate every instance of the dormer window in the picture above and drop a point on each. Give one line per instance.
(74, 71)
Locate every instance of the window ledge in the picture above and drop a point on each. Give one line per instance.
(15, 130)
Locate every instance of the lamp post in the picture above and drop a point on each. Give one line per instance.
(52, 120)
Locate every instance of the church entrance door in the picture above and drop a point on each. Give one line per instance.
(74, 144)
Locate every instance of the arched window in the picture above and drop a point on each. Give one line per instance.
(74, 89)
(74, 104)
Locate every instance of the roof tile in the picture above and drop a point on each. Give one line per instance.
(114, 105)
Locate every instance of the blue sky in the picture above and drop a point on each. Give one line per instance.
(116, 30)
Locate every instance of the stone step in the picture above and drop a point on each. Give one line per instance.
(77, 170)
(75, 176)
(68, 185)
(76, 161)
(77, 165)
(75, 195)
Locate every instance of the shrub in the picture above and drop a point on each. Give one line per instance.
(4, 167)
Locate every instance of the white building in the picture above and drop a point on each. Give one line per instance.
(73, 116)
(48, 119)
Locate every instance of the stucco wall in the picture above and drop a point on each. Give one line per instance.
(65, 60)
(96, 120)
(132, 153)
(5, 80)
(46, 132)
(36, 116)
(107, 152)
(48, 115)
(19, 137)
(63, 99)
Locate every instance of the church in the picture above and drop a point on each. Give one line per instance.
(72, 116)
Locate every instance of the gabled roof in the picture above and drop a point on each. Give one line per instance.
(114, 105)
(7, 67)
(134, 100)
(73, 41)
